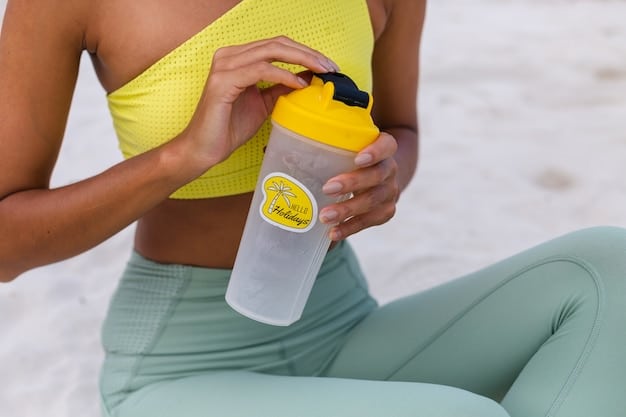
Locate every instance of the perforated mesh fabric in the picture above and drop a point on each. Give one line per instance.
(143, 307)
(158, 104)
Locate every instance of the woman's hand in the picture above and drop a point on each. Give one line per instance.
(232, 107)
(374, 186)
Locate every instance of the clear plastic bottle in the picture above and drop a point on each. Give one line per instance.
(316, 133)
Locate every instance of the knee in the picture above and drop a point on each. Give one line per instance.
(602, 249)
(602, 234)
(599, 243)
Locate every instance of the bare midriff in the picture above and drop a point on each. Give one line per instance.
(202, 232)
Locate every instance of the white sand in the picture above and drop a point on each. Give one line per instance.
(523, 122)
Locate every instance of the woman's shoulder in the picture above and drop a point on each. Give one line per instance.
(46, 20)
(388, 13)
(40, 49)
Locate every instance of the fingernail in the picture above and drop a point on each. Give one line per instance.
(302, 82)
(363, 159)
(334, 235)
(332, 188)
(328, 216)
(325, 63)
(333, 65)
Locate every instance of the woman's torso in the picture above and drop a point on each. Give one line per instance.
(125, 39)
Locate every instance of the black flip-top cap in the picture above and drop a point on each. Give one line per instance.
(346, 90)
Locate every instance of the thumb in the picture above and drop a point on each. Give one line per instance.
(271, 94)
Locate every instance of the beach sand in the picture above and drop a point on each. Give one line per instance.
(523, 138)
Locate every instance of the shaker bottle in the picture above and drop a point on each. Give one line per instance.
(316, 133)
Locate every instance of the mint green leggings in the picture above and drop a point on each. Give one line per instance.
(542, 333)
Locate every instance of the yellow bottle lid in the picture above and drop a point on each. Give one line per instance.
(331, 110)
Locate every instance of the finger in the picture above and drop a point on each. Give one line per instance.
(371, 201)
(382, 148)
(245, 47)
(357, 223)
(280, 49)
(361, 179)
(227, 85)
(271, 94)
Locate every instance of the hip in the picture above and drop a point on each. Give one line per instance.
(169, 321)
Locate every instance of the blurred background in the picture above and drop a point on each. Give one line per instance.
(523, 138)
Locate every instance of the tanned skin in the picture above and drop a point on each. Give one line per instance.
(40, 49)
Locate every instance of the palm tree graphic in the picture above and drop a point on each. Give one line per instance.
(280, 190)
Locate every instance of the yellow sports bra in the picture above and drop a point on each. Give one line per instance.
(158, 104)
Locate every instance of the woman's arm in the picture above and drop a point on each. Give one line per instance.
(40, 48)
(396, 76)
(387, 165)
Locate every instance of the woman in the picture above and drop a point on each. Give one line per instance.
(189, 86)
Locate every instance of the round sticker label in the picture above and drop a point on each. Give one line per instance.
(287, 203)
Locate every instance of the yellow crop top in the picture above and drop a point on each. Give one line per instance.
(159, 103)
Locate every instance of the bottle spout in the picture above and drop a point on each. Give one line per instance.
(345, 90)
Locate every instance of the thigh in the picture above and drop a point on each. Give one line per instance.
(541, 331)
(246, 394)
